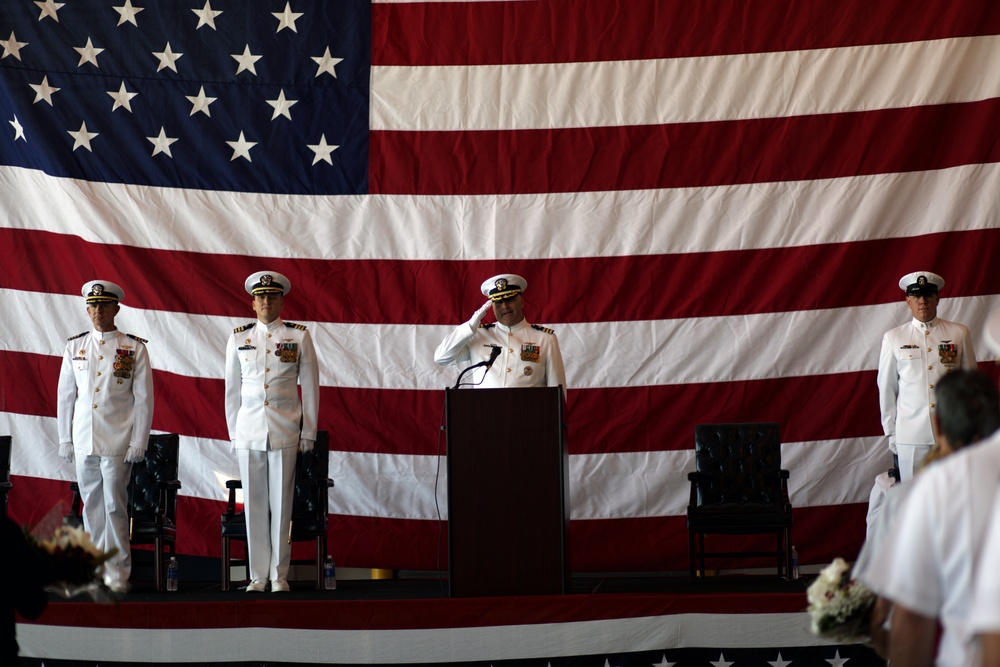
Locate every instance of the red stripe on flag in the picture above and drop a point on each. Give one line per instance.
(556, 31)
(422, 545)
(684, 155)
(605, 420)
(704, 284)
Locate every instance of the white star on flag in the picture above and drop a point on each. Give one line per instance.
(779, 662)
(721, 662)
(246, 61)
(161, 143)
(281, 106)
(326, 63)
(663, 662)
(88, 53)
(206, 16)
(43, 91)
(122, 98)
(287, 18)
(837, 661)
(322, 150)
(18, 129)
(49, 9)
(127, 13)
(12, 47)
(200, 102)
(81, 138)
(241, 148)
(167, 58)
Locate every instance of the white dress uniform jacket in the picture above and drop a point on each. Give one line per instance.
(931, 559)
(265, 363)
(911, 361)
(105, 402)
(530, 355)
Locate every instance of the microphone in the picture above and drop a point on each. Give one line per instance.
(494, 353)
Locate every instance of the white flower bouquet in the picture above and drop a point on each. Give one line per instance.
(840, 606)
(72, 562)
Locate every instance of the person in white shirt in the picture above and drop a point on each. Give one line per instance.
(984, 617)
(931, 563)
(104, 413)
(527, 355)
(968, 411)
(912, 359)
(266, 362)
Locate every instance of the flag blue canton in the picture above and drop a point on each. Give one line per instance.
(208, 94)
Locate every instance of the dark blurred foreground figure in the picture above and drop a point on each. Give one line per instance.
(23, 589)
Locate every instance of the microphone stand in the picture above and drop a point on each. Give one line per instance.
(494, 353)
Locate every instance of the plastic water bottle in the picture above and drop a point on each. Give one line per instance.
(173, 574)
(329, 574)
(795, 563)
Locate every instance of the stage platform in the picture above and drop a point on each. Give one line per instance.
(604, 621)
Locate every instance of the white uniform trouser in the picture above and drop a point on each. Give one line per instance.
(910, 457)
(268, 489)
(103, 484)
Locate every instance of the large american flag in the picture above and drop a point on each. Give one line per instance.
(712, 203)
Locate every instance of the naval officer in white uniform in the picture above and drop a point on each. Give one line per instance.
(266, 362)
(104, 413)
(912, 358)
(529, 354)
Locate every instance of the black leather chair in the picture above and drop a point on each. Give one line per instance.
(152, 502)
(5, 483)
(738, 488)
(310, 509)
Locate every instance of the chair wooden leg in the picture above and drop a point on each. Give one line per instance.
(701, 554)
(691, 556)
(788, 552)
(780, 551)
(320, 558)
(158, 563)
(225, 563)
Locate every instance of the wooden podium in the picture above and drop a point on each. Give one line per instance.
(508, 493)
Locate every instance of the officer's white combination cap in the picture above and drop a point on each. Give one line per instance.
(267, 282)
(503, 286)
(921, 282)
(102, 291)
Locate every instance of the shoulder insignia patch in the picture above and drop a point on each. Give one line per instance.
(243, 328)
(300, 327)
(488, 326)
(539, 327)
(81, 335)
(134, 337)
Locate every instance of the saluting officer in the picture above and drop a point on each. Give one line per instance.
(268, 424)
(529, 354)
(104, 414)
(912, 359)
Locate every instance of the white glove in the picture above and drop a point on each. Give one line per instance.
(480, 314)
(892, 445)
(232, 446)
(66, 451)
(305, 445)
(135, 455)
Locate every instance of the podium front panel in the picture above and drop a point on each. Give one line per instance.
(508, 494)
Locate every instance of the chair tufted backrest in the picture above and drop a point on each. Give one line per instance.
(160, 466)
(738, 463)
(312, 470)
